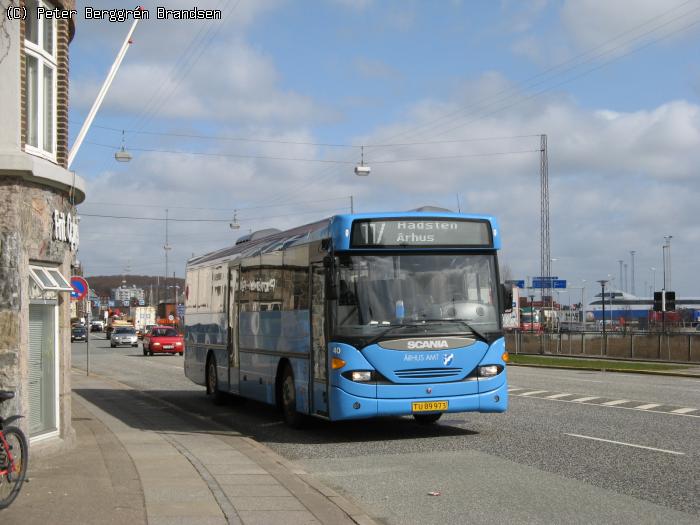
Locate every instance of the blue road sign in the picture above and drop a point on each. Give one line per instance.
(181, 310)
(110, 303)
(559, 283)
(142, 302)
(517, 283)
(544, 282)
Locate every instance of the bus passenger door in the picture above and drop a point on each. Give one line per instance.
(232, 319)
(319, 350)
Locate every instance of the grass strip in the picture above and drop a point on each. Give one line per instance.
(592, 363)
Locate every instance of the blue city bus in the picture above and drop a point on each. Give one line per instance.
(354, 316)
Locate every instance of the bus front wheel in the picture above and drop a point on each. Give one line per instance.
(213, 382)
(289, 400)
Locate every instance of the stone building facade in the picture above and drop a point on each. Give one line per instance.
(38, 221)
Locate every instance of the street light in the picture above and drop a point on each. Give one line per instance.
(653, 279)
(667, 246)
(603, 282)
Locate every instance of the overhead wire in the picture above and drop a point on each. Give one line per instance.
(415, 130)
(236, 209)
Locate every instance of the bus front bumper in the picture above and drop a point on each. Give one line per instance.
(349, 406)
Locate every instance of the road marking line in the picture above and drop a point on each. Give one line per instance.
(533, 393)
(511, 389)
(557, 396)
(582, 399)
(683, 410)
(628, 444)
(616, 402)
(648, 406)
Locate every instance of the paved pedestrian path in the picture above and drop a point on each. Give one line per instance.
(138, 460)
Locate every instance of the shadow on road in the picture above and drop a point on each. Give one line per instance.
(257, 420)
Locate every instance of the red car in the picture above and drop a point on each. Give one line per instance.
(163, 339)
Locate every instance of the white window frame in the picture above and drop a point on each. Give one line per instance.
(37, 271)
(43, 58)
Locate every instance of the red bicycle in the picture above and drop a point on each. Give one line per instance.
(14, 456)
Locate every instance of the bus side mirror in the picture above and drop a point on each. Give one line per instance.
(507, 295)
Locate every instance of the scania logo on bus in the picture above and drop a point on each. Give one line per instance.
(435, 344)
(444, 343)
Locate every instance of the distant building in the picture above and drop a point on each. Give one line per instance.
(38, 223)
(124, 293)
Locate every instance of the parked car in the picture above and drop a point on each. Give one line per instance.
(78, 333)
(123, 335)
(163, 339)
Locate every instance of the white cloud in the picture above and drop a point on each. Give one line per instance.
(245, 87)
(593, 22)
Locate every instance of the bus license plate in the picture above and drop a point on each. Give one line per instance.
(429, 406)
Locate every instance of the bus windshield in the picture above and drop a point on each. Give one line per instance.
(421, 293)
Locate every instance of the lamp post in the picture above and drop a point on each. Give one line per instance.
(653, 280)
(602, 283)
(583, 308)
(667, 259)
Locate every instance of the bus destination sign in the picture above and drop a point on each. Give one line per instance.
(388, 233)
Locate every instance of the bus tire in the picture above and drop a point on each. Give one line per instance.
(288, 400)
(427, 419)
(213, 382)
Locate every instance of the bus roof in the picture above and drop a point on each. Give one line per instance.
(336, 227)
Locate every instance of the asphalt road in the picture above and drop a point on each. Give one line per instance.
(574, 447)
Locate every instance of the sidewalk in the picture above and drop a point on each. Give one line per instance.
(139, 461)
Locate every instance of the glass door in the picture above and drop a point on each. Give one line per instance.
(319, 347)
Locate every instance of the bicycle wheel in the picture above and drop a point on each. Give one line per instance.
(11, 482)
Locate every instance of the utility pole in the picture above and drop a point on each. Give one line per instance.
(545, 257)
(667, 264)
(632, 252)
(352, 205)
(626, 285)
(166, 248)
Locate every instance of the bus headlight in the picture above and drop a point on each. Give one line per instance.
(361, 376)
(488, 371)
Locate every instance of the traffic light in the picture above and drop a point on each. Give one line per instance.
(670, 301)
(658, 301)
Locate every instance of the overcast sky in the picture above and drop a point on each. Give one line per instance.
(449, 99)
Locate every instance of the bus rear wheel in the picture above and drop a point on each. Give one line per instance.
(427, 419)
(289, 400)
(213, 382)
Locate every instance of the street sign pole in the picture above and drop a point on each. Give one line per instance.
(87, 338)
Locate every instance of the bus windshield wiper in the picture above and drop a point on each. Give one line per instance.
(481, 335)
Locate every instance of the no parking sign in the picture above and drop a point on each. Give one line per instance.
(80, 288)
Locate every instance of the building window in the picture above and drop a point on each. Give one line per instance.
(40, 86)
